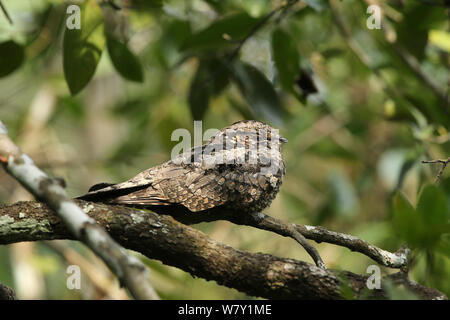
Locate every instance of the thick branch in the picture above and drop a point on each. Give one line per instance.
(131, 272)
(161, 237)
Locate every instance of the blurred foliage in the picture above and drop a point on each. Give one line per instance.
(361, 108)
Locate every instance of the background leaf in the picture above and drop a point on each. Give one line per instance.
(235, 26)
(418, 19)
(12, 56)
(82, 48)
(286, 58)
(209, 80)
(258, 91)
(123, 60)
(432, 208)
(407, 223)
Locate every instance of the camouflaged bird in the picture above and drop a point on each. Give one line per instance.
(240, 167)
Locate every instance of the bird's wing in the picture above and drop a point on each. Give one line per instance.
(190, 186)
(107, 191)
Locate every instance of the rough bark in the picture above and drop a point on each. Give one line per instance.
(163, 238)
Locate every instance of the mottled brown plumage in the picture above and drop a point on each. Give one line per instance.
(247, 180)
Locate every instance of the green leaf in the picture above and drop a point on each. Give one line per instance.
(123, 60)
(234, 26)
(12, 56)
(406, 221)
(199, 93)
(286, 58)
(444, 245)
(82, 48)
(259, 92)
(209, 80)
(432, 208)
(418, 19)
(422, 227)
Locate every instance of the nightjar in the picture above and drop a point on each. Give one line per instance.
(238, 168)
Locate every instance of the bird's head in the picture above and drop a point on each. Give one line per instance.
(246, 127)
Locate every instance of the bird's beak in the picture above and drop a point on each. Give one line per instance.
(283, 140)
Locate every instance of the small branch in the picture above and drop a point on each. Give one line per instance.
(320, 234)
(159, 236)
(5, 12)
(398, 259)
(131, 272)
(263, 221)
(444, 164)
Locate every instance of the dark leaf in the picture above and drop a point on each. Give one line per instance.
(235, 27)
(12, 56)
(259, 92)
(82, 48)
(210, 79)
(417, 20)
(286, 58)
(124, 61)
(406, 221)
(435, 214)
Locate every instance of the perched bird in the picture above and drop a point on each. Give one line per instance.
(239, 168)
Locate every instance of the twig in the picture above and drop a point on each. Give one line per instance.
(5, 12)
(262, 221)
(131, 271)
(160, 237)
(441, 171)
(320, 234)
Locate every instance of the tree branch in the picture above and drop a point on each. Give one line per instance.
(131, 272)
(444, 164)
(319, 234)
(161, 237)
(5, 12)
